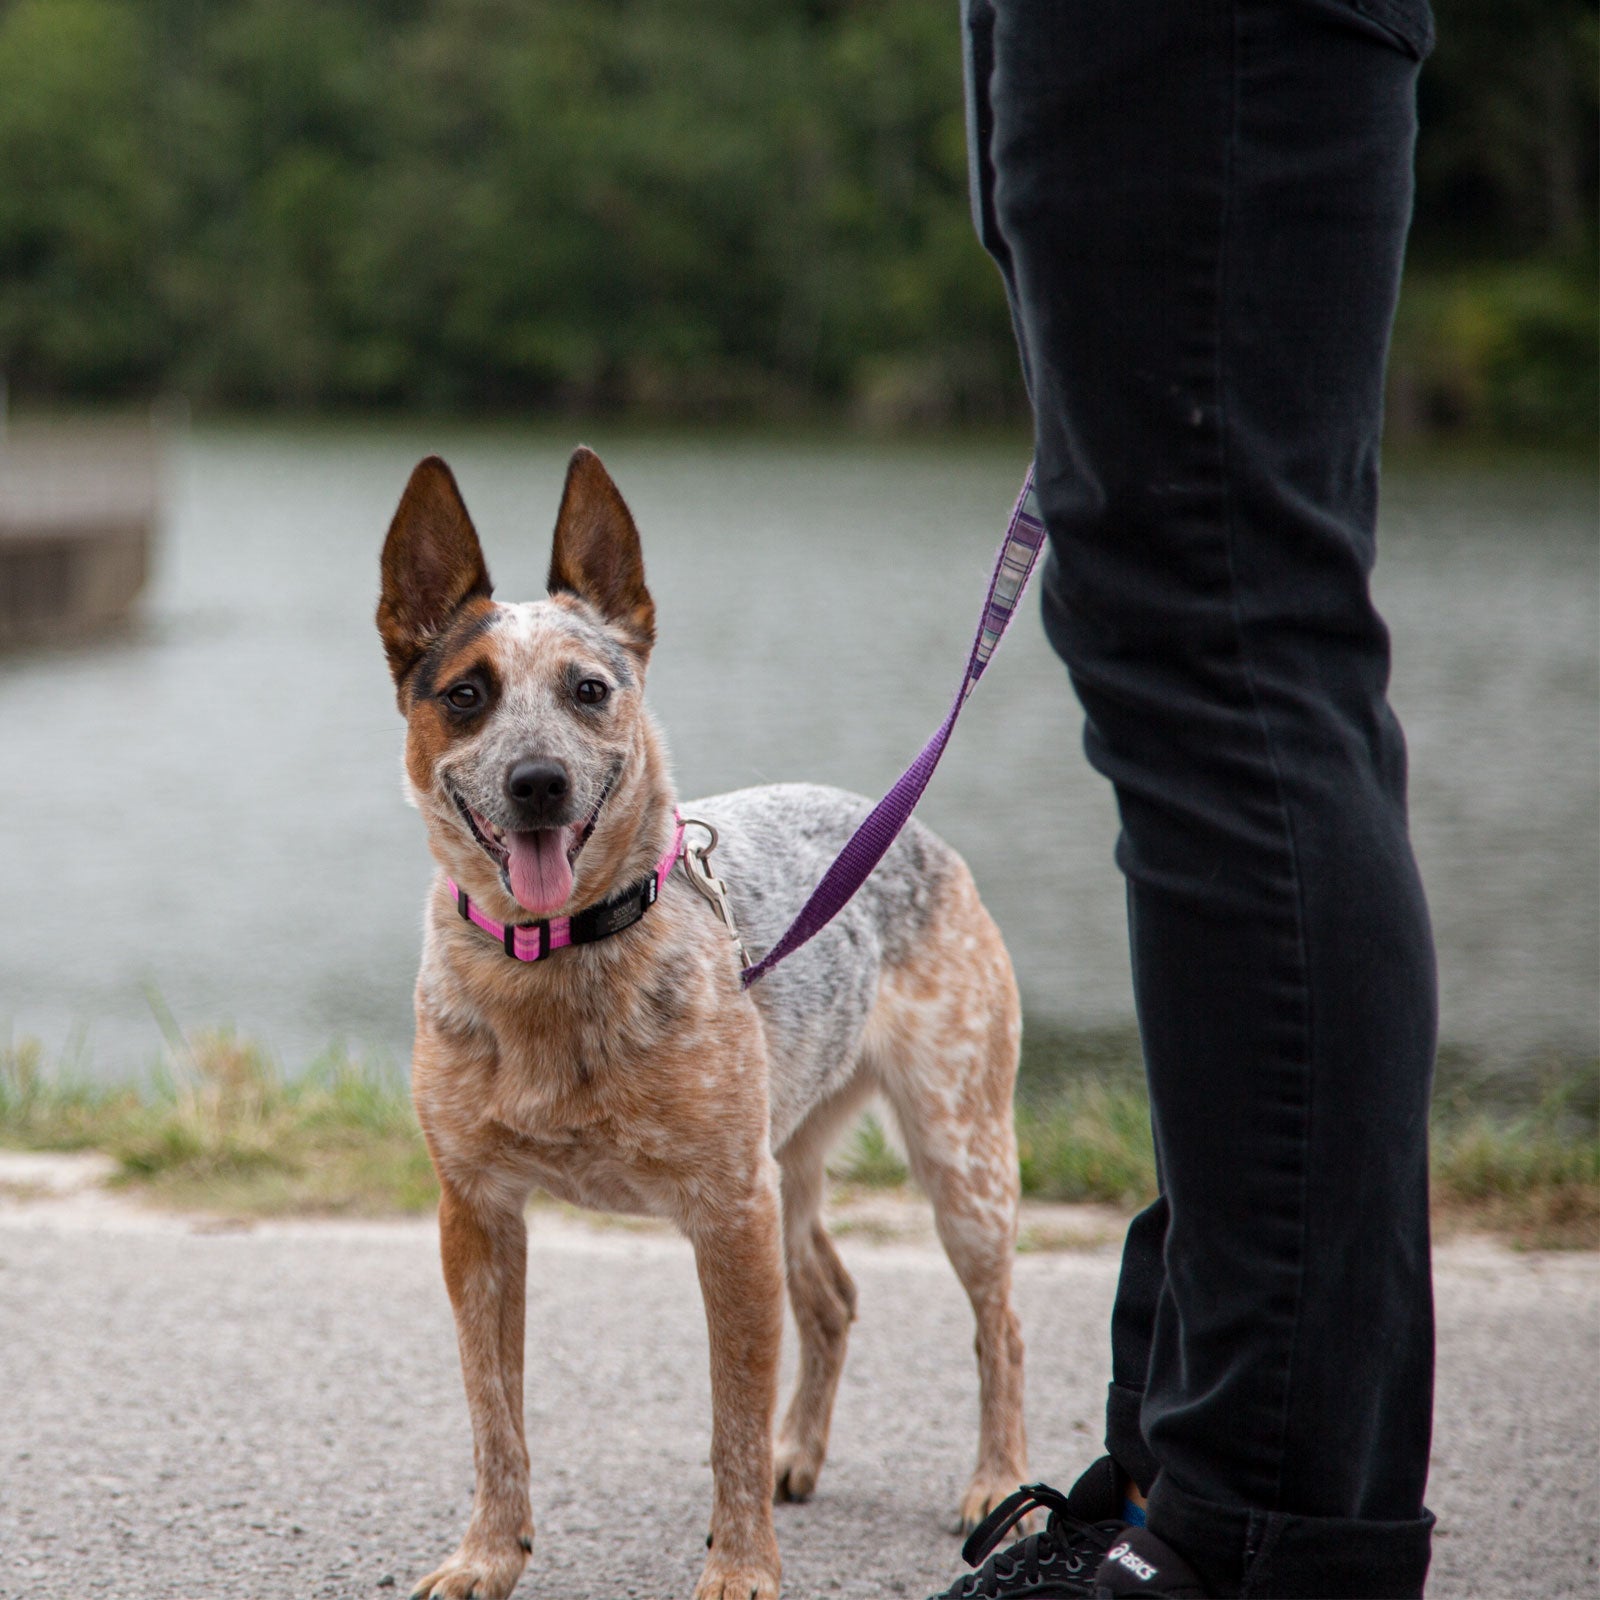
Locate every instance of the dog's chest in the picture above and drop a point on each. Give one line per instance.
(606, 1109)
(598, 1176)
(589, 1144)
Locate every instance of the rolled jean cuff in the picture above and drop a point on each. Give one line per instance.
(1240, 1551)
(1124, 1442)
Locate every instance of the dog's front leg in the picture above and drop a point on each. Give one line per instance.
(485, 1255)
(738, 1255)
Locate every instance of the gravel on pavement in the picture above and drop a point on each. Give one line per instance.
(193, 1411)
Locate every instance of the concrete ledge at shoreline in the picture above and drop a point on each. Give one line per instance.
(79, 510)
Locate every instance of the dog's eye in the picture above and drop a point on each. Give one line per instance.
(465, 696)
(592, 691)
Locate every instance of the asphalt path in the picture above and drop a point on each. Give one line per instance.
(189, 1413)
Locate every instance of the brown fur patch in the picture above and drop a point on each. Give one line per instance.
(430, 726)
(432, 564)
(597, 555)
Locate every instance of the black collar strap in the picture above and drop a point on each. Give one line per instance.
(531, 941)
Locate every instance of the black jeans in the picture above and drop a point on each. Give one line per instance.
(1199, 208)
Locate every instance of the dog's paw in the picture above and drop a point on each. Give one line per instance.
(476, 1572)
(795, 1471)
(982, 1496)
(737, 1580)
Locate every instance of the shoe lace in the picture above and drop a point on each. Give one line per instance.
(1064, 1538)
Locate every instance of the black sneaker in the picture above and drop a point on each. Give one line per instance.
(1057, 1564)
(1139, 1564)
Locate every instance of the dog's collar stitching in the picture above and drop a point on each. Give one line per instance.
(532, 941)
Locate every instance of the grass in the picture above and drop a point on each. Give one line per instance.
(1522, 1163)
(221, 1127)
(1531, 1179)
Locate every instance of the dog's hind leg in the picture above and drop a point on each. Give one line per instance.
(945, 1048)
(821, 1293)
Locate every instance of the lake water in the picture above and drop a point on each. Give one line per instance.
(210, 809)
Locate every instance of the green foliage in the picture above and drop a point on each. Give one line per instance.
(55, 1109)
(475, 203)
(1083, 1116)
(221, 1127)
(1507, 350)
(1089, 1142)
(82, 203)
(1535, 1176)
(1506, 155)
(688, 208)
(868, 1158)
(1523, 1162)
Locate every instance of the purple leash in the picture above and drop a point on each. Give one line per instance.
(1019, 551)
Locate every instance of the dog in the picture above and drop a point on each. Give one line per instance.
(616, 1061)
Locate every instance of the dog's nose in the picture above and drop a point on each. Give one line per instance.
(537, 782)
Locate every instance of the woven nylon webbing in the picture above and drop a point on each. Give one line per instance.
(1019, 551)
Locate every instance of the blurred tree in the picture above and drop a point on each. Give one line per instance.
(688, 206)
(82, 202)
(1498, 327)
(272, 124)
(1506, 158)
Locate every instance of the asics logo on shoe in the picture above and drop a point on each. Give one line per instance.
(1124, 1557)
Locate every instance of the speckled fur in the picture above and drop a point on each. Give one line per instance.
(635, 1074)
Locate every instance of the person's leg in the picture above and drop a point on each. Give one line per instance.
(1200, 207)
(1139, 1287)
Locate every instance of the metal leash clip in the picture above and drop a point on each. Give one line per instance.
(696, 866)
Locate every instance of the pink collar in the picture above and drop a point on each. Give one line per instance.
(528, 941)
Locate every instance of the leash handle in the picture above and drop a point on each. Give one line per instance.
(1013, 566)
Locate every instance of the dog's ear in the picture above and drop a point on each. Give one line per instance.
(432, 565)
(596, 555)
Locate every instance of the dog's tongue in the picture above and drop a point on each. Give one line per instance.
(541, 875)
